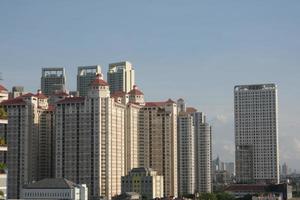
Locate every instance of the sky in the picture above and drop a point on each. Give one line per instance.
(196, 50)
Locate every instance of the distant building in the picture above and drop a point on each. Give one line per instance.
(145, 182)
(229, 167)
(256, 133)
(16, 92)
(53, 80)
(55, 188)
(284, 170)
(85, 75)
(120, 77)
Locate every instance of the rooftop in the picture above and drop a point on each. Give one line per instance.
(255, 87)
(51, 183)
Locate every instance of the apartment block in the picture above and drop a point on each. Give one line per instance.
(256, 133)
(90, 145)
(158, 141)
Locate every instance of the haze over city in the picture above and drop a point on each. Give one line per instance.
(192, 50)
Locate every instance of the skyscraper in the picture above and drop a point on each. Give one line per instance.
(90, 145)
(85, 75)
(256, 133)
(120, 77)
(186, 153)
(26, 135)
(158, 141)
(52, 80)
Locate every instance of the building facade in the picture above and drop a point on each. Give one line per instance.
(53, 80)
(23, 140)
(186, 153)
(120, 77)
(145, 182)
(55, 188)
(90, 140)
(85, 75)
(194, 151)
(256, 133)
(158, 142)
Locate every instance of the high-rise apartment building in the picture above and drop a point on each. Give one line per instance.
(85, 75)
(53, 80)
(16, 92)
(194, 151)
(158, 141)
(120, 77)
(186, 153)
(90, 145)
(24, 128)
(256, 133)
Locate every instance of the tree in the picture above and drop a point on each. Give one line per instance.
(207, 196)
(224, 196)
(3, 114)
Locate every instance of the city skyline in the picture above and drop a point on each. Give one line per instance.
(202, 67)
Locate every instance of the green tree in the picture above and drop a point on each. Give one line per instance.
(207, 196)
(3, 114)
(224, 196)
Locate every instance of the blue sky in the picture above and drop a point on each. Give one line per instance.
(197, 50)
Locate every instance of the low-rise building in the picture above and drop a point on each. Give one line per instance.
(55, 188)
(144, 181)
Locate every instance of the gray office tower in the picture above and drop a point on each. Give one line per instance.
(53, 79)
(256, 133)
(85, 75)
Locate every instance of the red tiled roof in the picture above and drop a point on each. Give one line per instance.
(2, 88)
(246, 187)
(26, 95)
(15, 101)
(135, 91)
(118, 94)
(160, 103)
(41, 96)
(191, 110)
(71, 100)
(99, 81)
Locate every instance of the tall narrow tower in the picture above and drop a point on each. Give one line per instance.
(120, 77)
(52, 80)
(256, 133)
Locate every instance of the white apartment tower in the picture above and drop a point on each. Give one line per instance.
(256, 133)
(186, 153)
(194, 151)
(85, 75)
(25, 137)
(120, 77)
(53, 80)
(203, 153)
(158, 141)
(90, 145)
